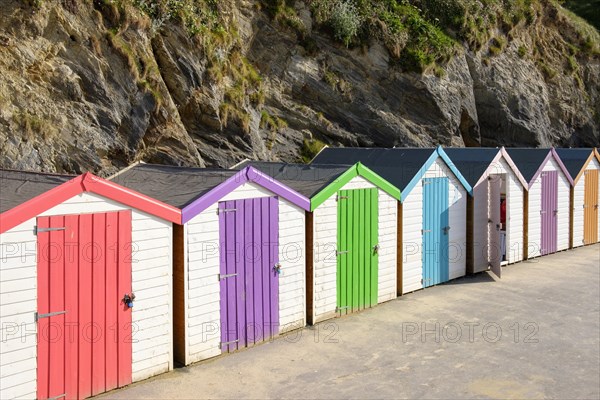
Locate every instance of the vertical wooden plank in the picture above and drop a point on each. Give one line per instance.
(252, 254)
(399, 249)
(359, 278)
(57, 303)
(374, 240)
(85, 305)
(43, 306)
(273, 204)
(232, 295)
(112, 301)
(265, 268)
(356, 246)
(310, 246)
(179, 293)
(99, 304)
(257, 268)
(364, 270)
(124, 286)
(72, 331)
(243, 253)
(342, 246)
(223, 298)
(571, 206)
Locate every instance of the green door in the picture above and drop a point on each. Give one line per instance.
(357, 250)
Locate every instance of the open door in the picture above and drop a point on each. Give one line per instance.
(494, 243)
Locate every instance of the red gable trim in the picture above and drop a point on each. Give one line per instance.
(91, 184)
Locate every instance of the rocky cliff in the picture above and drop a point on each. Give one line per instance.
(96, 85)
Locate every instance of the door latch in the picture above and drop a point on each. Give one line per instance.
(446, 230)
(277, 268)
(128, 299)
(376, 249)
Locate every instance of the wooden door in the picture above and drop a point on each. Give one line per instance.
(358, 248)
(435, 231)
(590, 208)
(494, 245)
(549, 212)
(249, 237)
(84, 327)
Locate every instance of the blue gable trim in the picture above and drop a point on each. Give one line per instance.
(413, 182)
(454, 170)
(438, 152)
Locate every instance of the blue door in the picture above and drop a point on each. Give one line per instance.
(435, 231)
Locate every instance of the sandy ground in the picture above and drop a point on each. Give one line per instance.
(533, 334)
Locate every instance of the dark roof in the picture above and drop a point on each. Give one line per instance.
(398, 165)
(307, 180)
(527, 160)
(177, 186)
(17, 187)
(472, 162)
(574, 159)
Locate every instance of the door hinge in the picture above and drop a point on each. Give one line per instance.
(337, 253)
(338, 198)
(338, 309)
(48, 315)
(226, 343)
(60, 396)
(37, 230)
(219, 210)
(423, 231)
(224, 276)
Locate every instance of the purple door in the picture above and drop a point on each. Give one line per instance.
(549, 211)
(249, 253)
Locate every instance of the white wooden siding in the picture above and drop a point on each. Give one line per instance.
(514, 218)
(412, 240)
(578, 201)
(151, 281)
(325, 245)
(202, 265)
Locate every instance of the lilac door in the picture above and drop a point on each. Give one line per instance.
(549, 211)
(249, 251)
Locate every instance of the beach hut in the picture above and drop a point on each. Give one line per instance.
(433, 229)
(584, 168)
(351, 235)
(239, 255)
(547, 201)
(495, 211)
(85, 272)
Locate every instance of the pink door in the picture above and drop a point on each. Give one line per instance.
(549, 212)
(84, 327)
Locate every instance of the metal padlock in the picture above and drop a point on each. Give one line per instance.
(128, 299)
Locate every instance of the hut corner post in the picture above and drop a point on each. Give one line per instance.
(309, 268)
(571, 213)
(400, 252)
(470, 221)
(525, 225)
(179, 334)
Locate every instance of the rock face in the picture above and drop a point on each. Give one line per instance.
(86, 85)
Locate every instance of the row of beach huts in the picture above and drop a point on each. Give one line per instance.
(105, 282)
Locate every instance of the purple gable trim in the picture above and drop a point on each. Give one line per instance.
(248, 174)
(552, 153)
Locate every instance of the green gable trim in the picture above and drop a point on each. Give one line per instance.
(357, 169)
